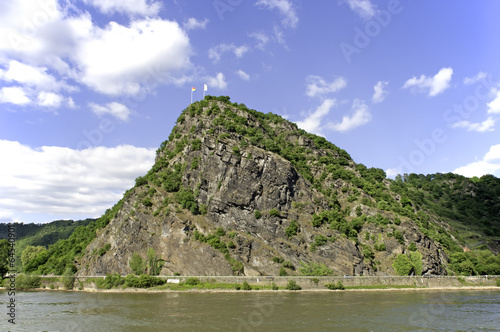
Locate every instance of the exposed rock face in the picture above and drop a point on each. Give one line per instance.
(232, 182)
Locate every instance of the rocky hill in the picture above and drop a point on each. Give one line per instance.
(236, 191)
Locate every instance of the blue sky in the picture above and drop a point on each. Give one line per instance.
(90, 88)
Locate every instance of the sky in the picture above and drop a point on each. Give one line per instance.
(90, 88)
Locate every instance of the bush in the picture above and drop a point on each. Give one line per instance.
(292, 229)
(27, 281)
(403, 265)
(220, 231)
(110, 281)
(68, 278)
(315, 269)
(246, 286)
(278, 259)
(258, 214)
(292, 285)
(335, 286)
(288, 264)
(136, 264)
(498, 283)
(191, 281)
(274, 287)
(283, 272)
(274, 213)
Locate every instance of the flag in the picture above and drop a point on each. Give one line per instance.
(205, 88)
(193, 89)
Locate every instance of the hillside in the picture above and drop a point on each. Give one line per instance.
(236, 191)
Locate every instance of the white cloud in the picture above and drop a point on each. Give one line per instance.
(363, 8)
(262, 39)
(313, 121)
(29, 75)
(14, 95)
(380, 92)
(479, 76)
(494, 105)
(431, 85)
(317, 86)
(49, 99)
(490, 164)
(480, 127)
(285, 8)
(117, 59)
(131, 7)
(115, 109)
(217, 82)
(392, 172)
(63, 182)
(192, 24)
(215, 53)
(244, 76)
(360, 116)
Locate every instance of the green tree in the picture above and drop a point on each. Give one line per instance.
(136, 264)
(29, 253)
(4, 257)
(403, 265)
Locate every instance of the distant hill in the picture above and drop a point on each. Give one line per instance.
(236, 191)
(41, 234)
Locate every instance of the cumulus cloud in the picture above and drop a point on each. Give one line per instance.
(49, 99)
(286, 9)
(217, 82)
(380, 92)
(363, 8)
(192, 24)
(131, 7)
(432, 85)
(116, 59)
(490, 164)
(312, 123)
(65, 183)
(244, 76)
(494, 105)
(14, 95)
(115, 109)
(215, 53)
(480, 127)
(359, 116)
(318, 86)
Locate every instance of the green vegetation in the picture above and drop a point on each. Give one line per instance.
(315, 269)
(292, 285)
(408, 264)
(335, 286)
(292, 229)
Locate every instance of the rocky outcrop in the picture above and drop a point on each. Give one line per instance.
(241, 202)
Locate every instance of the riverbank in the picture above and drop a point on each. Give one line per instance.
(221, 290)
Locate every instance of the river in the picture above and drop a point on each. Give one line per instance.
(255, 311)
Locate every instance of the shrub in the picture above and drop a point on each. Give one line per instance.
(283, 272)
(274, 213)
(379, 247)
(110, 281)
(220, 231)
(315, 269)
(278, 259)
(403, 265)
(246, 286)
(412, 246)
(68, 278)
(147, 202)
(258, 214)
(292, 229)
(288, 264)
(335, 286)
(274, 287)
(104, 249)
(498, 282)
(24, 281)
(191, 281)
(292, 285)
(136, 264)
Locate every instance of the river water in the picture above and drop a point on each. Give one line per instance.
(255, 311)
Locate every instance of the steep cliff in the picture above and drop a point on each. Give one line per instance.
(235, 191)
